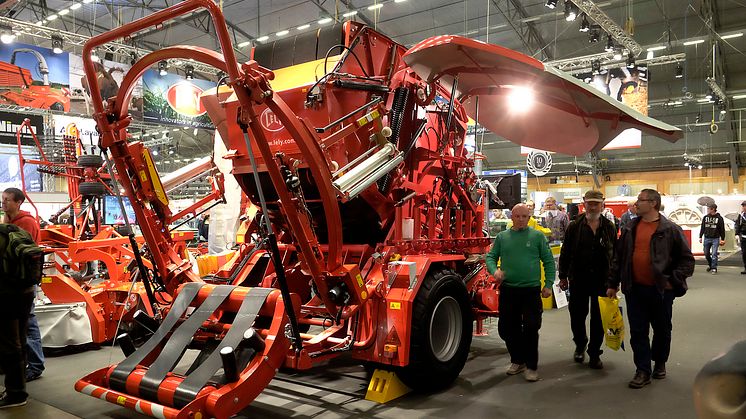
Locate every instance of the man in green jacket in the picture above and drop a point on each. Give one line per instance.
(521, 252)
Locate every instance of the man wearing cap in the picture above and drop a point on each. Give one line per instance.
(713, 231)
(584, 263)
(652, 262)
(741, 234)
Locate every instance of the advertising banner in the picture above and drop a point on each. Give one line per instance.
(34, 77)
(173, 100)
(11, 176)
(86, 128)
(110, 75)
(10, 122)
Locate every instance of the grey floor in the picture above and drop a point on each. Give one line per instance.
(707, 321)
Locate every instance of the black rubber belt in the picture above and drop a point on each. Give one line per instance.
(174, 348)
(194, 382)
(119, 376)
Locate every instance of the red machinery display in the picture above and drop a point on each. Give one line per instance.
(18, 87)
(370, 228)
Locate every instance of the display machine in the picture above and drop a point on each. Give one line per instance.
(368, 237)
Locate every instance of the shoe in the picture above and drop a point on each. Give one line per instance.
(659, 372)
(596, 363)
(32, 377)
(714, 271)
(640, 380)
(743, 272)
(7, 401)
(579, 355)
(515, 369)
(708, 269)
(531, 375)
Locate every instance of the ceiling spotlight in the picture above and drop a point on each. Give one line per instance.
(7, 36)
(708, 96)
(609, 43)
(551, 4)
(596, 67)
(594, 34)
(631, 60)
(617, 52)
(57, 44)
(189, 71)
(133, 58)
(94, 56)
(162, 67)
(571, 11)
(679, 71)
(584, 26)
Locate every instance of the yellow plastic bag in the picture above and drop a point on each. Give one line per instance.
(611, 318)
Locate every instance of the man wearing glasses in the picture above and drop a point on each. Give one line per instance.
(652, 262)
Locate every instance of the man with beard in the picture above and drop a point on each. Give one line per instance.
(584, 267)
(652, 261)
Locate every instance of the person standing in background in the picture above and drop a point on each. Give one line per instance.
(740, 231)
(629, 215)
(521, 251)
(23, 219)
(713, 231)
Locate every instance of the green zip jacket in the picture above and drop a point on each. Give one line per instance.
(519, 253)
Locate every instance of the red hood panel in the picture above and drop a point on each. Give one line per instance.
(567, 115)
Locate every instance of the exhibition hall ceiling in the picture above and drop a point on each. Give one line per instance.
(685, 37)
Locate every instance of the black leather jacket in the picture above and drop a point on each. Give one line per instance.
(670, 254)
(568, 254)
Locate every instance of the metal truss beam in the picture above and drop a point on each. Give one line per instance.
(607, 24)
(583, 64)
(516, 16)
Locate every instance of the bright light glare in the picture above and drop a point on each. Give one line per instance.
(75, 6)
(520, 99)
(302, 27)
(375, 6)
(282, 33)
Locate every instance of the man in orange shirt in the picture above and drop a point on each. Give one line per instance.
(652, 262)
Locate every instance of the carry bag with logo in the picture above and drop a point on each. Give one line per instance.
(22, 259)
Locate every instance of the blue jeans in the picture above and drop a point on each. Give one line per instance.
(647, 307)
(34, 353)
(711, 251)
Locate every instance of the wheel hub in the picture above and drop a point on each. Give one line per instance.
(446, 325)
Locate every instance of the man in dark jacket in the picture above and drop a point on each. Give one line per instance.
(584, 266)
(713, 230)
(741, 234)
(652, 261)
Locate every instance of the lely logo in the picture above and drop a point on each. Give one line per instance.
(270, 122)
(183, 97)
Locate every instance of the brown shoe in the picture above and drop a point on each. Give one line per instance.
(640, 380)
(659, 372)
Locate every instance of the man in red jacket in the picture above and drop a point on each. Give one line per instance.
(16, 315)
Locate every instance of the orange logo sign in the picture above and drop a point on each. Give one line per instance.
(183, 97)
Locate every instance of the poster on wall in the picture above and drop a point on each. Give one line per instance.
(86, 127)
(10, 123)
(11, 176)
(110, 75)
(34, 77)
(173, 100)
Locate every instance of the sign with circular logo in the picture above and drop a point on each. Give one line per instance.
(270, 122)
(183, 97)
(539, 162)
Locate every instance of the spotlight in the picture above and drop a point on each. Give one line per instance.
(679, 71)
(609, 43)
(7, 36)
(617, 52)
(520, 99)
(94, 56)
(708, 96)
(551, 4)
(594, 34)
(162, 67)
(631, 60)
(571, 11)
(57, 44)
(584, 26)
(596, 67)
(133, 58)
(722, 108)
(189, 71)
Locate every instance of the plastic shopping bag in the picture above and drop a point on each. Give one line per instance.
(613, 323)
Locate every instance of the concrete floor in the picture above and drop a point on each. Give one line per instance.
(707, 321)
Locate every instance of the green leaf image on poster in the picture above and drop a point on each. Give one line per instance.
(170, 99)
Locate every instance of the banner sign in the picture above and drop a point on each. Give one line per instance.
(110, 75)
(10, 122)
(171, 99)
(86, 128)
(34, 77)
(11, 176)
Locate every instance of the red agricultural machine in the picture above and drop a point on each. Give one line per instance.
(19, 88)
(369, 239)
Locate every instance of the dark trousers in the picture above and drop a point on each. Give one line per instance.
(578, 308)
(519, 324)
(13, 324)
(743, 254)
(646, 307)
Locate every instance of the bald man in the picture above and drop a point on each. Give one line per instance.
(520, 251)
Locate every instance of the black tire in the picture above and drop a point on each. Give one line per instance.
(441, 332)
(57, 106)
(90, 160)
(91, 189)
